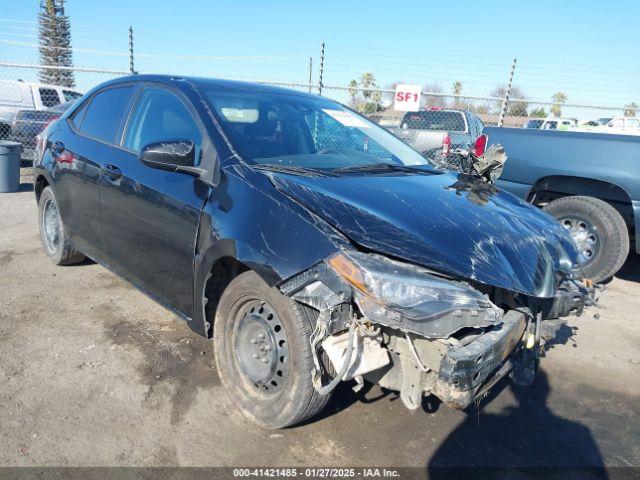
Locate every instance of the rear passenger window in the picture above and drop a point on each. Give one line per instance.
(49, 97)
(70, 95)
(105, 112)
(78, 115)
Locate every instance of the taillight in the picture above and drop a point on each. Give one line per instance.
(480, 145)
(446, 144)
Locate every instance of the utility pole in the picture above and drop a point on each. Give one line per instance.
(507, 92)
(321, 69)
(310, 72)
(131, 67)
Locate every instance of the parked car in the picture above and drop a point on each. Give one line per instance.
(19, 95)
(28, 124)
(308, 264)
(589, 181)
(436, 132)
(622, 125)
(597, 122)
(551, 123)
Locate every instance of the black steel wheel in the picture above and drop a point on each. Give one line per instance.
(260, 345)
(263, 354)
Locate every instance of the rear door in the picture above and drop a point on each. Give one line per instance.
(80, 150)
(150, 217)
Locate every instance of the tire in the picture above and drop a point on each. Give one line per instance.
(276, 393)
(54, 239)
(610, 248)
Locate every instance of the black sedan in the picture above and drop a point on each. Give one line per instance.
(312, 245)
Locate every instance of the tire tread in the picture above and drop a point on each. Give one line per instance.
(616, 244)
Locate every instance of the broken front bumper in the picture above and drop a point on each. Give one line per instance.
(469, 370)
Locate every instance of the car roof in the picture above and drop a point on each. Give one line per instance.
(208, 83)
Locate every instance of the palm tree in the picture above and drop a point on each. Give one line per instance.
(353, 91)
(367, 80)
(631, 109)
(558, 99)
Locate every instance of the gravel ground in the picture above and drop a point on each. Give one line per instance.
(93, 373)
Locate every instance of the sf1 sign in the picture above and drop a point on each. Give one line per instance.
(407, 98)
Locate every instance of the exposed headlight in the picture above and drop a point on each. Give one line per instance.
(389, 289)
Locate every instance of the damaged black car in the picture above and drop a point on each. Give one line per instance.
(312, 245)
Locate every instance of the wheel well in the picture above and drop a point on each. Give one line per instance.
(41, 184)
(551, 188)
(222, 273)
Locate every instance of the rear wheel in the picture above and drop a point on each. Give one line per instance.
(263, 354)
(55, 242)
(598, 231)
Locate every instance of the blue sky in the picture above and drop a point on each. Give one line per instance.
(588, 49)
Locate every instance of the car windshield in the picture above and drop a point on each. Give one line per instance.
(304, 131)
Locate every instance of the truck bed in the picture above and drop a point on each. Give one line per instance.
(584, 159)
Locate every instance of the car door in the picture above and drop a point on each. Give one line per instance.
(80, 148)
(150, 216)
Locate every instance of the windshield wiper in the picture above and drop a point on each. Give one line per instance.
(382, 167)
(293, 170)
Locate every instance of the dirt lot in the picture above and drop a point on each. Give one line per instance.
(93, 373)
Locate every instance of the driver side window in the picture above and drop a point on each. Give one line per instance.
(160, 115)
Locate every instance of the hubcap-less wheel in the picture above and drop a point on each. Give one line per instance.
(586, 237)
(51, 225)
(261, 346)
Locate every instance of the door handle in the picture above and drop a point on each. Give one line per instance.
(112, 172)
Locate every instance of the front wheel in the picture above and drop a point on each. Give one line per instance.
(55, 242)
(263, 353)
(599, 232)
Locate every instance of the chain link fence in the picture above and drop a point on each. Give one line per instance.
(28, 106)
(378, 105)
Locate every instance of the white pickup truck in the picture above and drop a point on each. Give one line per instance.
(621, 125)
(16, 95)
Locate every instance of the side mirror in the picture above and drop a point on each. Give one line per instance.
(171, 155)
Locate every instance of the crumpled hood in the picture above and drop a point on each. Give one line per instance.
(452, 223)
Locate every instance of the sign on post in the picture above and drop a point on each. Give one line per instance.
(407, 98)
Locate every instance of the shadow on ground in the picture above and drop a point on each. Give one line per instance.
(525, 437)
(631, 269)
